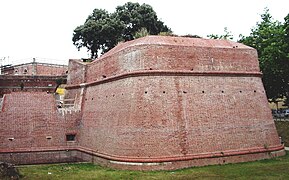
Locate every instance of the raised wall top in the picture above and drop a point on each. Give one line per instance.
(168, 54)
(176, 41)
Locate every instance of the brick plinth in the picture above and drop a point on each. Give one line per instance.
(40, 157)
(172, 165)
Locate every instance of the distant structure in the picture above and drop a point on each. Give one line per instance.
(149, 104)
(34, 68)
(33, 76)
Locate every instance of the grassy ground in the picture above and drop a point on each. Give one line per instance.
(283, 131)
(266, 169)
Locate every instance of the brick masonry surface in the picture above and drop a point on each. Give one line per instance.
(148, 104)
(12, 83)
(35, 68)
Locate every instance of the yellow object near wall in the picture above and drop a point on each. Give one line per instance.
(279, 105)
(60, 91)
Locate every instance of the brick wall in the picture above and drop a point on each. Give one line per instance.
(11, 83)
(153, 103)
(177, 116)
(198, 55)
(77, 72)
(35, 68)
(30, 122)
(47, 69)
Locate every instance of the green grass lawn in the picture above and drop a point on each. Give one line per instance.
(277, 168)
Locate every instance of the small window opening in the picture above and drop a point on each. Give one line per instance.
(25, 71)
(22, 86)
(184, 92)
(70, 137)
(48, 137)
(10, 139)
(151, 68)
(222, 91)
(104, 76)
(192, 69)
(91, 98)
(66, 72)
(146, 92)
(203, 91)
(240, 91)
(164, 92)
(254, 91)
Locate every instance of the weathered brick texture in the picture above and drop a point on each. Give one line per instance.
(153, 103)
(35, 68)
(31, 123)
(12, 83)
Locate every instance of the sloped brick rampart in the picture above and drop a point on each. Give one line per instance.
(156, 101)
(149, 104)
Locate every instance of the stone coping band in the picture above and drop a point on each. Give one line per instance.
(164, 73)
(151, 159)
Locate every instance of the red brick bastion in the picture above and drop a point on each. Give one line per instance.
(155, 103)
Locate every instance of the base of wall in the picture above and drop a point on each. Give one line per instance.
(172, 165)
(69, 156)
(46, 157)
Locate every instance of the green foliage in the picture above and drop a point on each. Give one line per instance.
(166, 34)
(141, 33)
(191, 36)
(269, 38)
(136, 16)
(283, 131)
(227, 35)
(60, 81)
(102, 30)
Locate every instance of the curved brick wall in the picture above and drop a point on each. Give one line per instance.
(153, 103)
(172, 53)
(175, 102)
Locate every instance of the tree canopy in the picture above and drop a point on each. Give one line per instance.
(270, 39)
(102, 30)
(227, 35)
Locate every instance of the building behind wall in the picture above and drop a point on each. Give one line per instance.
(33, 76)
(35, 68)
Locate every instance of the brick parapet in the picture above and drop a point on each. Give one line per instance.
(164, 54)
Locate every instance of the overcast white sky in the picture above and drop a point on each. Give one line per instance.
(43, 29)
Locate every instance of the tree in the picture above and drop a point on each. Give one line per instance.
(102, 30)
(227, 35)
(99, 33)
(136, 16)
(269, 39)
